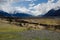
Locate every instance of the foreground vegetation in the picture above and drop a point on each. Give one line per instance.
(13, 32)
(16, 36)
(10, 28)
(50, 21)
(30, 35)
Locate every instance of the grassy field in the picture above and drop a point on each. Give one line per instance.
(30, 35)
(13, 32)
(45, 21)
(4, 27)
(16, 36)
(9, 31)
(9, 36)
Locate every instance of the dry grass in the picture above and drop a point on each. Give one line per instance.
(45, 21)
(12, 32)
(5, 27)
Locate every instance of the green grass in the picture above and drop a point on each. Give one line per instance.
(10, 36)
(4, 27)
(15, 36)
(10, 31)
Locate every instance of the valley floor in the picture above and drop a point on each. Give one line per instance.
(13, 32)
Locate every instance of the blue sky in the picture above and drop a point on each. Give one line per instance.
(33, 7)
(26, 3)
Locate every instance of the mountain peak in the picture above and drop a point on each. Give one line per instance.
(52, 13)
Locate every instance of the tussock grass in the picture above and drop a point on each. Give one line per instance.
(46, 21)
(4, 27)
(10, 36)
(12, 32)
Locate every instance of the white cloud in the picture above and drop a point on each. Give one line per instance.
(30, 0)
(31, 5)
(50, 0)
(39, 9)
(6, 8)
(43, 8)
(22, 9)
(6, 5)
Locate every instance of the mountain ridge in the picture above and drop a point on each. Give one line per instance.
(15, 14)
(52, 13)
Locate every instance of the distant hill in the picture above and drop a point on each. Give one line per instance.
(4, 14)
(52, 13)
(15, 14)
(23, 15)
